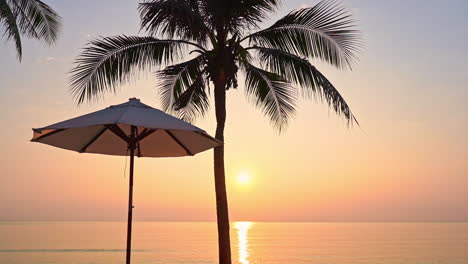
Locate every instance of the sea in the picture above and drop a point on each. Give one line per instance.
(252, 243)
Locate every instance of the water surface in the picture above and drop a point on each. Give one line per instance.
(252, 243)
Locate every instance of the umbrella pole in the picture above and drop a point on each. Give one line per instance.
(130, 196)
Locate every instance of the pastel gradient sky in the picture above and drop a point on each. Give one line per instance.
(407, 162)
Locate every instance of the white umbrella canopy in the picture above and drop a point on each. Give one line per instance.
(127, 129)
(157, 133)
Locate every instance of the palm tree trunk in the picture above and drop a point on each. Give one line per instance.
(222, 212)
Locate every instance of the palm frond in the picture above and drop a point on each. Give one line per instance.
(290, 66)
(248, 13)
(272, 93)
(36, 19)
(111, 60)
(182, 89)
(331, 95)
(174, 80)
(179, 18)
(194, 101)
(233, 16)
(8, 21)
(303, 73)
(325, 31)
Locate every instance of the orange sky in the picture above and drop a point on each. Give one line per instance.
(407, 161)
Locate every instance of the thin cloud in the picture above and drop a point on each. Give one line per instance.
(46, 60)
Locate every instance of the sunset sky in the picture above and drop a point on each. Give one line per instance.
(408, 161)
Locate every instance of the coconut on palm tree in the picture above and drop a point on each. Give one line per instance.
(30, 18)
(202, 45)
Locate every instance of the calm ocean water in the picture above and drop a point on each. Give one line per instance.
(311, 243)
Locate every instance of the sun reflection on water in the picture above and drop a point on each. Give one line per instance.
(243, 240)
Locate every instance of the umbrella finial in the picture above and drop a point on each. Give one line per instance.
(133, 98)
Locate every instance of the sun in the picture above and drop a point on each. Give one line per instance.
(243, 178)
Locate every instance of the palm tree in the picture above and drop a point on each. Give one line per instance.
(221, 39)
(31, 18)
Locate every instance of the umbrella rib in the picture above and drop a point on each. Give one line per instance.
(48, 134)
(139, 134)
(178, 142)
(209, 137)
(145, 133)
(83, 149)
(119, 132)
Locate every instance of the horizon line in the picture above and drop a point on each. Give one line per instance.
(182, 221)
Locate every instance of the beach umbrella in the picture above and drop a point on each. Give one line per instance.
(128, 129)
